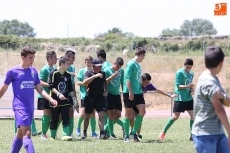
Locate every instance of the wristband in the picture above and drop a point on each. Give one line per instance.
(225, 96)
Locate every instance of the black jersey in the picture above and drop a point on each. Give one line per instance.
(62, 83)
(97, 86)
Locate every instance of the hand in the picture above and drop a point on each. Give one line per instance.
(131, 96)
(75, 104)
(54, 102)
(105, 93)
(62, 97)
(73, 74)
(115, 74)
(173, 95)
(99, 75)
(191, 85)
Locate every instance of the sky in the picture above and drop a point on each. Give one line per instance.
(84, 18)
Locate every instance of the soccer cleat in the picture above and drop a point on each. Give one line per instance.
(135, 138)
(103, 135)
(139, 137)
(35, 133)
(161, 136)
(84, 136)
(78, 131)
(66, 138)
(94, 135)
(112, 137)
(126, 139)
(44, 137)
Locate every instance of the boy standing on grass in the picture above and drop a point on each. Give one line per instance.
(183, 102)
(24, 79)
(60, 86)
(43, 104)
(209, 112)
(80, 77)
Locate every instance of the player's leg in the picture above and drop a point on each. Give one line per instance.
(111, 115)
(189, 109)
(93, 124)
(66, 123)
(71, 116)
(106, 114)
(55, 114)
(81, 118)
(118, 109)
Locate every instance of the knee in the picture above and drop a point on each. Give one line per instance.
(28, 133)
(175, 118)
(142, 112)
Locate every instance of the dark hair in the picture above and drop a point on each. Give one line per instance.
(213, 56)
(145, 76)
(188, 61)
(63, 60)
(119, 61)
(139, 51)
(89, 58)
(27, 50)
(101, 53)
(50, 54)
(68, 53)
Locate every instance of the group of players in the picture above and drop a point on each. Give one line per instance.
(100, 83)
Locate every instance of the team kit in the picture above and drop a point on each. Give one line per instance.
(101, 85)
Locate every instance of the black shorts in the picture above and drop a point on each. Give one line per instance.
(94, 102)
(70, 101)
(114, 102)
(43, 104)
(135, 109)
(181, 106)
(82, 103)
(138, 99)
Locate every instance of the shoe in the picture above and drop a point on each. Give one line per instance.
(191, 139)
(103, 135)
(94, 135)
(66, 138)
(112, 137)
(44, 137)
(35, 133)
(78, 131)
(126, 139)
(139, 137)
(84, 136)
(161, 136)
(135, 138)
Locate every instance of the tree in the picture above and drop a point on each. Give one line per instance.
(197, 27)
(16, 27)
(170, 33)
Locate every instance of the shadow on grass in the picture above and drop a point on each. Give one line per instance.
(157, 141)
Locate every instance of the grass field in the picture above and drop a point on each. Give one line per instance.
(177, 140)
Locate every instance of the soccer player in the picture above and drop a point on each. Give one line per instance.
(183, 88)
(71, 55)
(24, 79)
(132, 94)
(61, 85)
(43, 104)
(95, 81)
(114, 79)
(80, 77)
(209, 100)
(146, 86)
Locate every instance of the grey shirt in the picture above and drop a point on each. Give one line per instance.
(206, 121)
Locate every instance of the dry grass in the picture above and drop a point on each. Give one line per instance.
(161, 67)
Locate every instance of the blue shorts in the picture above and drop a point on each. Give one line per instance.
(23, 117)
(211, 143)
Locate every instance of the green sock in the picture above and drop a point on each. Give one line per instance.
(191, 123)
(71, 123)
(33, 126)
(111, 125)
(168, 125)
(93, 124)
(126, 126)
(45, 123)
(119, 122)
(137, 123)
(15, 127)
(80, 120)
(53, 133)
(65, 130)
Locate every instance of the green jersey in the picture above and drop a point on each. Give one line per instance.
(44, 75)
(116, 82)
(105, 64)
(183, 78)
(71, 69)
(133, 74)
(80, 77)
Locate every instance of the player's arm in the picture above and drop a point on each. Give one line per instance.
(8, 80)
(129, 71)
(122, 79)
(179, 77)
(44, 84)
(88, 79)
(3, 90)
(105, 87)
(108, 79)
(42, 75)
(42, 92)
(164, 93)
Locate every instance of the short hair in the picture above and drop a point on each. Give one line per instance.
(145, 76)
(188, 61)
(213, 56)
(119, 61)
(89, 58)
(63, 60)
(101, 53)
(50, 54)
(27, 50)
(68, 53)
(139, 51)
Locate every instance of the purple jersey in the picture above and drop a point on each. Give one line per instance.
(149, 87)
(23, 82)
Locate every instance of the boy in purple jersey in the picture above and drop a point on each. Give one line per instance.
(146, 86)
(24, 80)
